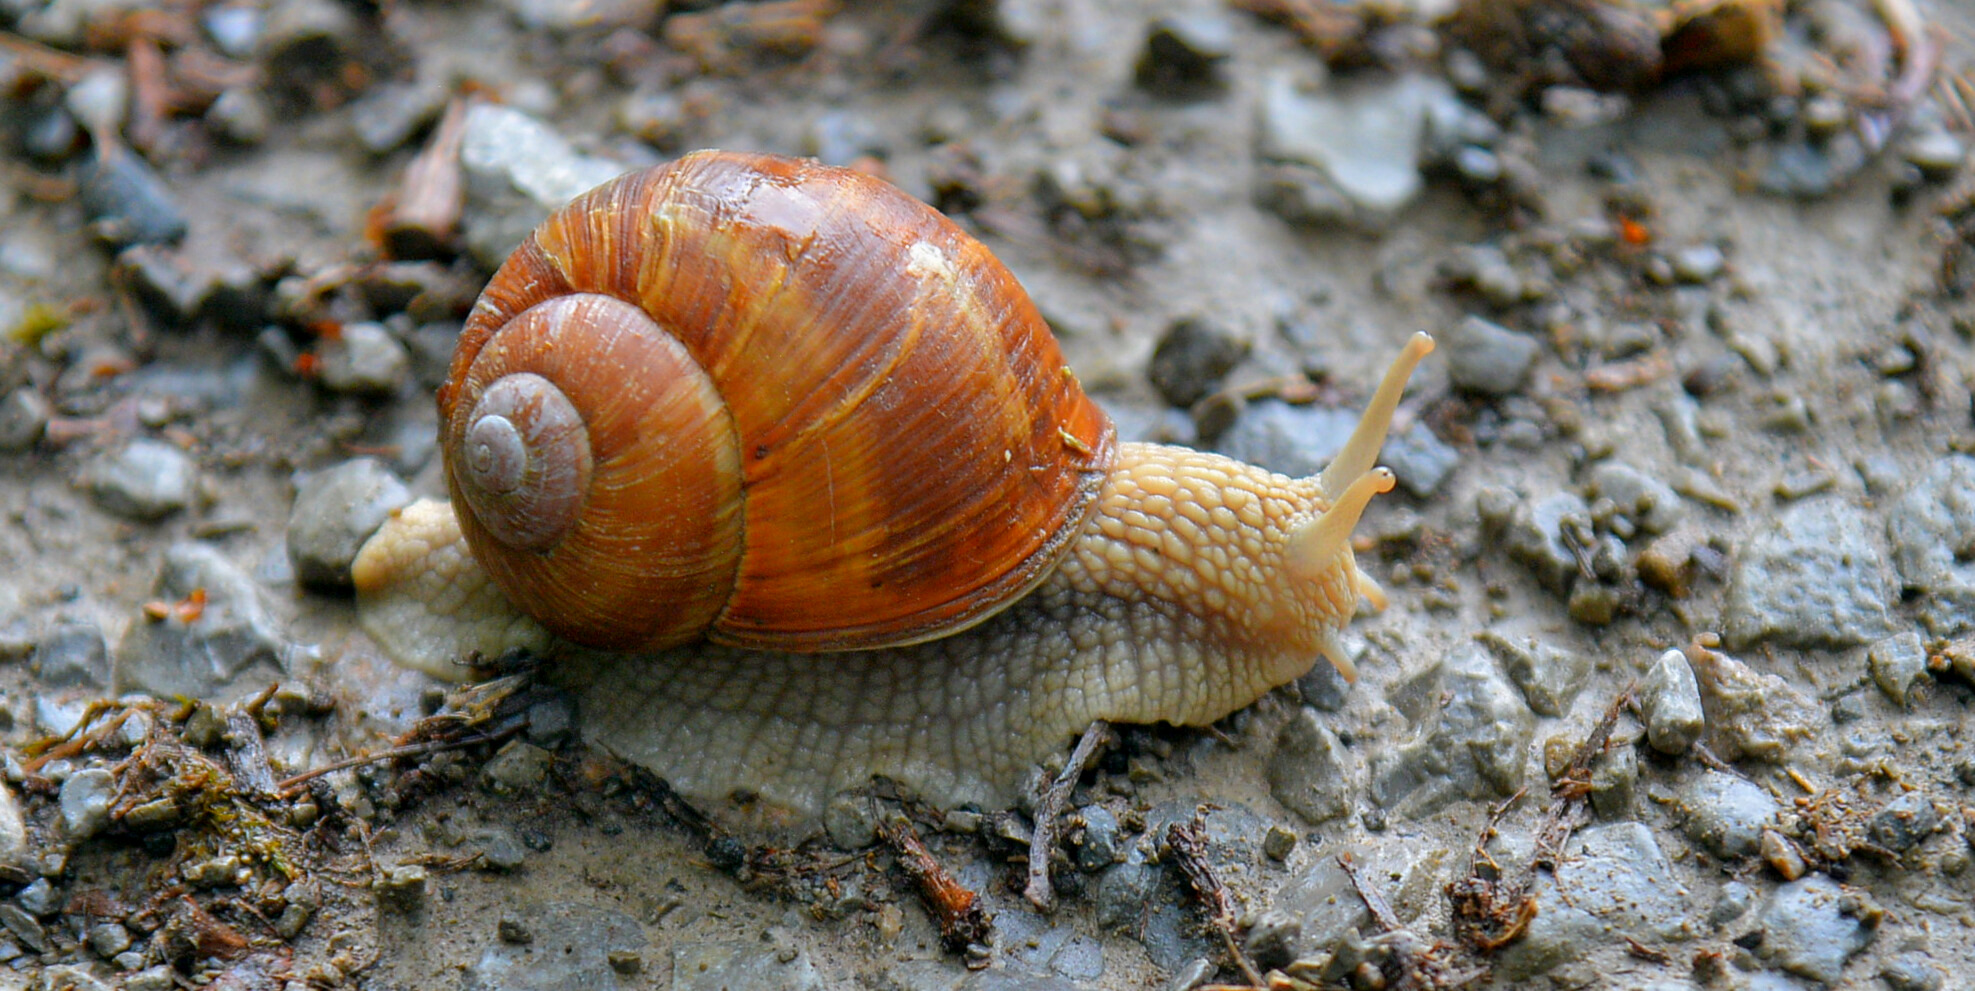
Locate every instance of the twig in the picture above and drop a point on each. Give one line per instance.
(1049, 813)
(1420, 964)
(287, 787)
(1188, 841)
(964, 927)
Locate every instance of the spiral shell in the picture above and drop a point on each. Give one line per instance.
(767, 402)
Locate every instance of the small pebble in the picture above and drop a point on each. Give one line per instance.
(500, 849)
(40, 899)
(336, 510)
(25, 927)
(1671, 698)
(23, 418)
(1782, 855)
(1278, 842)
(1184, 56)
(108, 939)
(1905, 822)
(518, 768)
(364, 358)
(401, 888)
(1913, 971)
(1936, 152)
(851, 821)
(1896, 663)
(1697, 264)
(158, 978)
(126, 202)
(512, 931)
(1488, 358)
(241, 115)
(85, 802)
(72, 655)
(144, 480)
(1190, 359)
(1100, 840)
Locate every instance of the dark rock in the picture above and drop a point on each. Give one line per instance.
(1536, 538)
(126, 202)
(183, 284)
(1190, 359)
(1905, 822)
(1099, 843)
(1184, 56)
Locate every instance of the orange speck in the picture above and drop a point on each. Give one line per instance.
(307, 365)
(1634, 232)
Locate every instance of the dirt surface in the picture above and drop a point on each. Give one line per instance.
(1816, 371)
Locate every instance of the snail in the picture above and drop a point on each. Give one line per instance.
(788, 477)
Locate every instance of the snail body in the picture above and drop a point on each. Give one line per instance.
(807, 453)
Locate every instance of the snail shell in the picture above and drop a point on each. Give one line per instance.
(766, 402)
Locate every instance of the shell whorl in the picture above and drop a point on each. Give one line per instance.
(818, 416)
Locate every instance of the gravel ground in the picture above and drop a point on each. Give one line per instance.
(1689, 478)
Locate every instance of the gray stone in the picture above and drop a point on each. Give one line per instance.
(1548, 676)
(1807, 930)
(23, 417)
(143, 480)
(1726, 813)
(390, 114)
(1535, 537)
(13, 829)
(1612, 883)
(733, 965)
(1419, 460)
(517, 169)
(1913, 971)
(851, 821)
(73, 655)
(1488, 358)
(25, 927)
(1124, 892)
(552, 719)
(401, 889)
(126, 202)
(1932, 531)
(1649, 503)
(232, 647)
(1099, 840)
(108, 939)
(1935, 151)
(1470, 737)
(336, 510)
(1697, 263)
(1486, 268)
(69, 977)
(40, 899)
(1731, 903)
(1310, 773)
(1349, 152)
(518, 768)
(1315, 909)
(1752, 714)
(85, 802)
(364, 359)
(1896, 663)
(1905, 822)
(1671, 699)
(1191, 357)
(158, 978)
(570, 950)
(1294, 440)
(499, 848)
(1813, 579)
(242, 115)
(1042, 946)
(1615, 782)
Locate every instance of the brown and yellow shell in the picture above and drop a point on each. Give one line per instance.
(768, 402)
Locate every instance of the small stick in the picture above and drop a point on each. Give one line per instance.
(1049, 812)
(964, 927)
(1188, 841)
(287, 787)
(422, 220)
